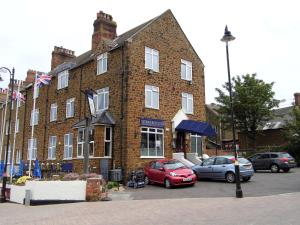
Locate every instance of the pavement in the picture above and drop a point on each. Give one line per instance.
(281, 209)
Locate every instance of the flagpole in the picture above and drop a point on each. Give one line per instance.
(15, 133)
(3, 125)
(32, 125)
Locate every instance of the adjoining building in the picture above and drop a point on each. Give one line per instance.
(150, 99)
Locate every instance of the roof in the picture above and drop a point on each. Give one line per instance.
(281, 116)
(104, 118)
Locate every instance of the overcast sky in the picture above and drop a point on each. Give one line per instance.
(267, 35)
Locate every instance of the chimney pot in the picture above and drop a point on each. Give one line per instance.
(61, 55)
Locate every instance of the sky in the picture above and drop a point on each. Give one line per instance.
(267, 35)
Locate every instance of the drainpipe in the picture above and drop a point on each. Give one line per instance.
(46, 122)
(80, 86)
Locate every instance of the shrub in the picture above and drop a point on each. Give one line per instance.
(22, 180)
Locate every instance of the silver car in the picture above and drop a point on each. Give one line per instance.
(222, 168)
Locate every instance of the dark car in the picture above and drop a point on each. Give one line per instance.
(274, 161)
(222, 168)
(169, 172)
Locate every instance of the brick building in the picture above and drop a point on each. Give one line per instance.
(147, 81)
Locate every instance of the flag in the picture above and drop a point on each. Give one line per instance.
(19, 96)
(43, 79)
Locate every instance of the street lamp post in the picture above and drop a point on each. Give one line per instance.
(239, 193)
(12, 74)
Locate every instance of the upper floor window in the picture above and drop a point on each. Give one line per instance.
(80, 142)
(32, 149)
(186, 70)
(34, 117)
(62, 79)
(151, 97)
(52, 147)
(151, 59)
(102, 63)
(53, 112)
(102, 99)
(187, 103)
(68, 146)
(70, 108)
(107, 142)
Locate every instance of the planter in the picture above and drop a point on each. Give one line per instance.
(50, 191)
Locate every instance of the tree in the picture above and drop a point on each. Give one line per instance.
(292, 133)
(253, 101)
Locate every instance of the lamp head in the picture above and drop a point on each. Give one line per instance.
(227, 36)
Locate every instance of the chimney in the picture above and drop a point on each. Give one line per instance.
(297, 99)
(30, 77)
(61, 55)
(104, 28)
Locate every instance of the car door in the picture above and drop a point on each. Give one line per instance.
(263, 161)
(158, 173)
(220, 167)
(205, 170)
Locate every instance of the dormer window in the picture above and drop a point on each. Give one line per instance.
(63, 79)
(186, 70)
(102, 63)
(151, 59)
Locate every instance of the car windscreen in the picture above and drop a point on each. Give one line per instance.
(173, 165)
(243, 160)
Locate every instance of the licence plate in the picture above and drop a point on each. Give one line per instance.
(187, 179)
(291, 161)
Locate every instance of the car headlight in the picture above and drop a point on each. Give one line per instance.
(173, 174)
(192, 172)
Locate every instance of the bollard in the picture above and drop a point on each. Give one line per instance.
(27, 197)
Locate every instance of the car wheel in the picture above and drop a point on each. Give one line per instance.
(286, 170)
(167, 183)
(245, 179)
(147, 181)
(274, 168)
(230, 177)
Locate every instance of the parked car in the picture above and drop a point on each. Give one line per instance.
(222, 168)
(169, 172)
(274, 161)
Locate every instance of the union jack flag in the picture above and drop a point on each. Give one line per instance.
(18, 95)
(43, 79)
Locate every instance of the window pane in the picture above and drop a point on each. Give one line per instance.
(148, 98)
(101, 101)
(91, 148)
(199, 146)
(144, 144)
(106, 101)
(152, 149)
(155, 100)
(107, 149)
(148, 63)
(183, 75)
(193, 144)
(189, 73)
(107, 134)
(104, 65)
(184, 104)
(159, 144)
(155, 63)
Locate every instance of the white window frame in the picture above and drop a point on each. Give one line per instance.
(102, 93)
(53, 112)
(80, 144)
(32, 148)
(186, 100)
(17, 127)
(63, 79)
(150, 94)
(52, 148)
(70, 105)
(102, 63)
(34, 120)
(196, 136)
(18, 156)
(152, 59)
(157, 131)
(109, 141)
(68, 146)
(186, 66)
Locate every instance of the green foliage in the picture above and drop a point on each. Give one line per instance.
(22, 180)
(252, 100)
(292, 134)
(112, 184)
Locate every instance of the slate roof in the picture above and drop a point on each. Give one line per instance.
(281, 116)
(104, 118)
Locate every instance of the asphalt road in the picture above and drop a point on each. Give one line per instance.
(262, 184)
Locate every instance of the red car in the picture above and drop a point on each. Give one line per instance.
(169, 172)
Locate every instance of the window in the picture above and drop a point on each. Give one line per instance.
(63, 79)
(102, 63)
(68, 146)
(264, 156)
(9, 155)
(18, 156)
(36, 91)
(34, 117)
(108, 142)
(17, 126)
(208, 162)
(53, 112)
(52, 147)
(92, 141)
(151, 97)
(102, 99)
(70, 108)
(152, 142)
(187, 103)
(151, 59)
(186, 70)
(80, 142)
(196, 144)
(32, 149)
(221, 161)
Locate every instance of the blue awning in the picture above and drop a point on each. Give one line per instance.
(201, 128)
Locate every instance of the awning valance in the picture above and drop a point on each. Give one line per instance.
(201, 128)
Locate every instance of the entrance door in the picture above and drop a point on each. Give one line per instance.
(180, 142)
